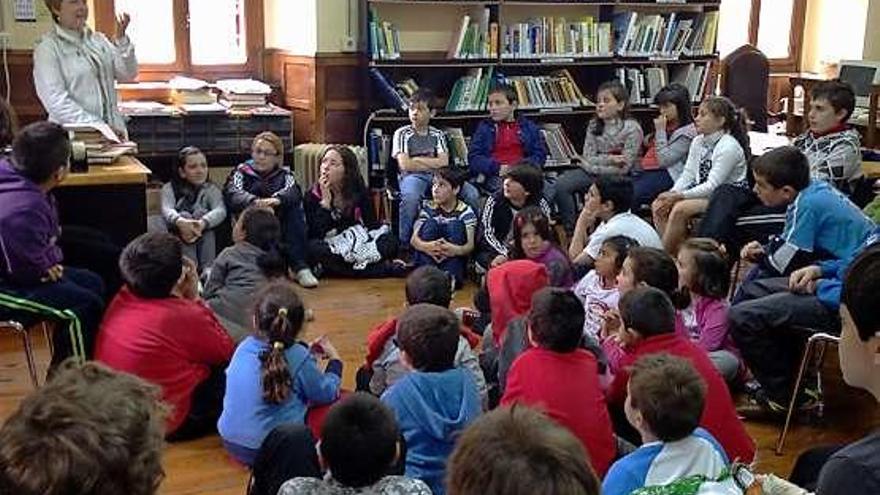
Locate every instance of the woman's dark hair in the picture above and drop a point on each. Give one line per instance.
(530, 215)
(8, 125)
(262, 229)
(279, 315)
(620, 93)
(530, 178)
(353, 187)
(183, 189)
(621, 245)
(656, 268)
(734, 121)
(678, 95)
(712, 273)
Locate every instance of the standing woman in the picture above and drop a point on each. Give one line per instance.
(75, 68)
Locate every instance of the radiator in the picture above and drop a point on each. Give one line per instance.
(307, 162)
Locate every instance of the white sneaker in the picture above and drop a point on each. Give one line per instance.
(306, 278)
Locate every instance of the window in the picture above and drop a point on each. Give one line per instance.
(776, 27)
(208, 38)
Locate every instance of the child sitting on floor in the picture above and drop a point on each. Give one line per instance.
(360, 441)
(704, 279)
(273, 378)
(425, 285)
(157, 329)
(598, 291)
(443, 234)
(648, 327)
(665, 399)
(192, 206)
(533, 239)
(542, 375)
(436, 401)
(519, 451)
(243, 268)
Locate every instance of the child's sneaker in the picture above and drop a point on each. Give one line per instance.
(306, 279)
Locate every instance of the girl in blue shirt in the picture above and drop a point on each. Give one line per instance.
(273, 378)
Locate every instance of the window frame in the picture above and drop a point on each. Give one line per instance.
(792, 63)
(105, 21)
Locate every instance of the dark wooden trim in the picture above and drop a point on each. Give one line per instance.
(24, 100)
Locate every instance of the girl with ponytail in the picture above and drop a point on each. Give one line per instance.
(273, 377)
(257, 257)
(718, 155)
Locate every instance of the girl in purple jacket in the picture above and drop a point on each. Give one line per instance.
(704, 278)
(533, 239)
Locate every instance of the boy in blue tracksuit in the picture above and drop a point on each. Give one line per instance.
(435, 402)
(503, 140)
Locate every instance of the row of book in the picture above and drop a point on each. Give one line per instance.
(470, 92)
(383, 37)
(475, 38)
(672, 35)
(556, 90)
(547, 37)
(644, 83)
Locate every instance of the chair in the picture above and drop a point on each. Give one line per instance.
(745, 79)
(22, 331)
(818, 340)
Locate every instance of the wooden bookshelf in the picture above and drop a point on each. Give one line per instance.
(427, 33)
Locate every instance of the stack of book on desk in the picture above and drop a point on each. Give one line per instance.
(243, 94)
(194, 95)
(103, 146)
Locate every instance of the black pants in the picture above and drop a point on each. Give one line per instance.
(763, 327)
(88, 248)
(205, 409)
(287, 452)
(805, 473)
(79, 291)
(728, 204)
(334, 265)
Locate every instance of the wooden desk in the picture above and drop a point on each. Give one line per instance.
(807, 81)
(110, 198)
(871, 169)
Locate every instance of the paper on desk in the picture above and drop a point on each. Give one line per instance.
(89, 128)
(762, 142)
(187, 83)
(244, 86)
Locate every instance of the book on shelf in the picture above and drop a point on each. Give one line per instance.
(693, 76)
(637, 34)
(475, 38)
(556, 90)
(549, 37)
(389, 93)
(384, 39)
(378, 154)
(643, 83)
(457, 144)
(560, 149)
(471, 91)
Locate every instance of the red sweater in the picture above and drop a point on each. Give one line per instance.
(171, 342)
(719, 415)
(566, 387)
(508, 147)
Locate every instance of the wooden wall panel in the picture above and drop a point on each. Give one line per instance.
(324, 93)
(23, 95)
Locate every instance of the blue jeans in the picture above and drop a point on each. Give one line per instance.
(454, 232)
(648, 184)
(571, 183)
(416, 186)
(79, 291)
(293, 232)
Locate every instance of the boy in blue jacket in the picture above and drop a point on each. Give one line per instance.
(435, 402)
(503, 140)
(32, 277)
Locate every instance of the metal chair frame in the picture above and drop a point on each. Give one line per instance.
(22, 332)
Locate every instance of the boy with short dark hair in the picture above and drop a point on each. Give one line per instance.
(33, 280)
(88, 430)
(436, 401)
(519, 451)
(360, 440)
(443, 235)
(541, 376)
(425, 285)
(420, 149)
(648, 327)
(664, 403)
(820, 222)
(157, 328)
(503, 140)
(831, 146)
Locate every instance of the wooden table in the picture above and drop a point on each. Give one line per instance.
(807, 81)
(111, 198)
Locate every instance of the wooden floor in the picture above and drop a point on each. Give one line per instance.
(345, 311)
